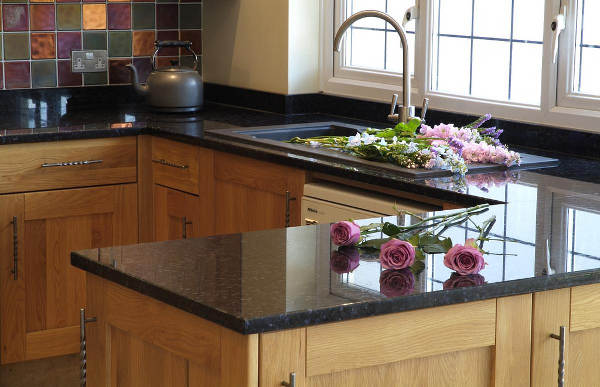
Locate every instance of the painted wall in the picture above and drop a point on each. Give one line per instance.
(267, 45)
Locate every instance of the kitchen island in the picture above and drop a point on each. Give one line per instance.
(249, 309)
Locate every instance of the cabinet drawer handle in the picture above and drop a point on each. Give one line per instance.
(83, 345)
(562, 338)
(71, 163)
(15, 270)
(184, 224)
(292, 382)
(310, 222)
(288, 199)
(170, 164)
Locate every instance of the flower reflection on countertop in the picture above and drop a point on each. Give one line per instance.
(395, 283)
(344, 260)
(462, 281)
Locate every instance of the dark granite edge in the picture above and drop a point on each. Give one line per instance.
(160, 294)
(343, 312)
(72, 135)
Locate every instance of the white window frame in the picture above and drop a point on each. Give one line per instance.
(371, 85)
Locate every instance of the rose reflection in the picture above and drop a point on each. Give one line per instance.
(463, 281)
(395, 283)
(344, 260)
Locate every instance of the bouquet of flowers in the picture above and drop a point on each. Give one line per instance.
(402, 251)
(413, 145)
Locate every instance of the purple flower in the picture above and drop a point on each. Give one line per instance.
(465, 259)
(462, 281)
(395, 283)
(344, 260)
(480, 121)
(345, 233)
(396, 254)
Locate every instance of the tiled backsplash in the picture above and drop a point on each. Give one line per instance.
(38, 36)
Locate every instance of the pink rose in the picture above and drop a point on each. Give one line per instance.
(462, 281)
(345, 233)
(344, 260)
(465, 259)
(397, 254)
(394, 283)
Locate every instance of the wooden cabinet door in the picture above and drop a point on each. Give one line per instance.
(43, 310)
(178, 215)
(578, 309)
(255, 195)
(476, 344)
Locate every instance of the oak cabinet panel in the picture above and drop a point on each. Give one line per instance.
(40, 308)
(178, 215)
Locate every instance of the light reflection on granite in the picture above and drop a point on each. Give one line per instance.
(280, 279)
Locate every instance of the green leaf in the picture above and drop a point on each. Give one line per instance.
(414, 124)
(417, 267)
(419, 255)
(390, 229)
(386, 133)
(414, 240)
(374, 243)
(447, 243)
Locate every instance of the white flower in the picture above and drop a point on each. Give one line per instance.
(354, 140)
(394, 140)
(383, 142)
(314, 144)
(369, 139)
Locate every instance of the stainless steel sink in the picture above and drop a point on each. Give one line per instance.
(288, 132)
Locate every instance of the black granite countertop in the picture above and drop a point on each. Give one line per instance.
(280, 279)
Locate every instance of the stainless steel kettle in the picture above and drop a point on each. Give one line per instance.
(174, 88)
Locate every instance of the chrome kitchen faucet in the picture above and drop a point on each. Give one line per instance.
(406, 110)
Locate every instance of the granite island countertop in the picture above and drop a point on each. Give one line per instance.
(280, 279)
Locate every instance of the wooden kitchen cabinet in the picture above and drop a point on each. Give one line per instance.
(39, 307)
(177, 215)
(255, 195)
(578, 309)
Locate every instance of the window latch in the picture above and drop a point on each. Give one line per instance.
(558, 25)
(411, 14)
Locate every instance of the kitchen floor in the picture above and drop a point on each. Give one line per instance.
(62, 371)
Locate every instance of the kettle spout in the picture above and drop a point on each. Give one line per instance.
(139, 88)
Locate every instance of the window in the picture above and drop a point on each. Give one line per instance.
(473, 56)
(489, 49)
(372, 43)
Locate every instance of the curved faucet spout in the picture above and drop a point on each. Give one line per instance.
(406, 110)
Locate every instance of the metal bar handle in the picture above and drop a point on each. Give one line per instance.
(170, 164)
(292, 382)
(15, 270)
(83, 346)
(562, 338)
(71, 163)
(184, 224)
(288, 199)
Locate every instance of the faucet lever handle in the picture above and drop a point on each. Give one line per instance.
(424, 108)
(394, 104)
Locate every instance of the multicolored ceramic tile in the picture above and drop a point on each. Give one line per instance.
(119, 43)
(65, 76)
(16, 46)
(119, 16)
(38, 36)
(190, 16)
(41, 17)
(166, 16)
(15, 17)
(143, 16)
(143, 43)
(43, 45)
(117, 72)
(68, 16)
(94, 16)
(67, 41)
(43, 73)
(16, 75)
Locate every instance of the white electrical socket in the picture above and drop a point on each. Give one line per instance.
(88, 61)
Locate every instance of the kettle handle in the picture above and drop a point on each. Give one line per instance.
(173, 43)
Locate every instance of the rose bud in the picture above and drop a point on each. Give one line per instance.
(345, 233)
(462, 281)
(396, 254)
(465, 260)
(344, 260)
(394, 283)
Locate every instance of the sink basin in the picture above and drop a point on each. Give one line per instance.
(274, 137)
(304, 131)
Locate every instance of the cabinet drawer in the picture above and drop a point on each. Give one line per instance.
(68, 164)
(176, 165)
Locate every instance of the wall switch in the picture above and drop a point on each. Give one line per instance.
(88, 61)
